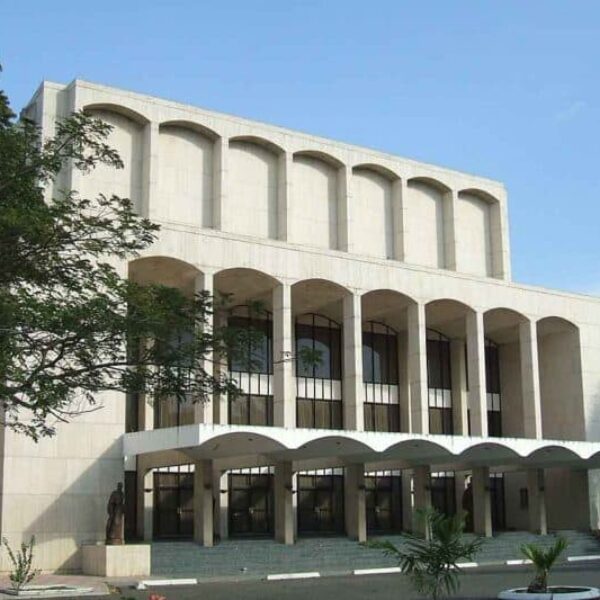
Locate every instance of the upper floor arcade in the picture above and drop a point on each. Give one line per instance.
(385, 361)
(186, 167)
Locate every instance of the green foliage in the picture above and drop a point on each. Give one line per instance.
(543, 560)
(22, 562)
(72, 324)
(431, 563)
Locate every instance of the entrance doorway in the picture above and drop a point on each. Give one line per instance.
(174, 502)
(251, 502)
(497, 501)
(383, 498)
(443, 495)
(321, 502)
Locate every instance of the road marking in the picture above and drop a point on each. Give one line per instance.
(579, 558)
(519, 561)
(142, 585)
(281, 576)
(467, 565)
(380, 571)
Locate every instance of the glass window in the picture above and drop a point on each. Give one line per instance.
(249, 409)
(321, 336)
(318, 414)
(256, 336)
(380, 354)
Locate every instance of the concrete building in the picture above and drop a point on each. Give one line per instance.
(441, 381)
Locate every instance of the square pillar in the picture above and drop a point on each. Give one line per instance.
(148, 205)
(284, 503)
(353, 385)
(203, 409)
(220, 208)
(407, 501)
(220, 401)
(399, 194)
(222, 493)
(536, 495)
(422, 498)
(530, 380)
(355, 502)
(285, 216)
(460, 400)
(203, 503)
(284, 388)
(345, 224)
(145, 504)
(476, 370)
(482, 504)
(450, 239)
(417, 368)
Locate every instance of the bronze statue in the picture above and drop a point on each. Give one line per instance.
(114, 523)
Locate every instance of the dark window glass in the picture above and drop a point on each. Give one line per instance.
(319, 414)
(443, 497)
(492, 367)
(440, 421)
(383, 499)
(256, 353)
(171, 412)
(382, 417)
(380, 355)
(248, 409)
(322, 335)
(438, 364)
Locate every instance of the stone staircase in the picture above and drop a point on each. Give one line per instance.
(257, 558)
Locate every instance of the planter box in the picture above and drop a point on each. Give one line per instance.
(116, 561)
(570, 592)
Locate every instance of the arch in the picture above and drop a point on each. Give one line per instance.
(488, 453)
(259, 141)
(386, 305)
(420, 449)
(490, 198)
(448, 316)
(561, 379)
(320, 155)
(380, 169)
(553, 455)
(319, 296)
(192, 126)
(241, 285)
(186, 173)
(426, 217)
(336, 444)
(238, 443)
(501, 324)
(125, 111)
(164, 270)
(253, 171)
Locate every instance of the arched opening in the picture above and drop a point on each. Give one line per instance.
(185, 175)
(385, 361)
(126, 138)
(244, 302)
(373, 211)
(318, 312)
(316, 199)
(426, 218)
(253, 187)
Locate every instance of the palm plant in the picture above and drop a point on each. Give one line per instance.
(432, 563)
(543, 560)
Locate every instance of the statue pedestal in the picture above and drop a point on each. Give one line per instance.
(127, 560)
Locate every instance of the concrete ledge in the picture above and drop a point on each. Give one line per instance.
(116, 561)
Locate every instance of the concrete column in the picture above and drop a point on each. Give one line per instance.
(399, 195)
(148, 203)
(482, 505)
(203, 409)
(220, 401)
(145, 504)
(417, 368)
(284, 198)
(530, 380)
(284, 389)
(459, 490)
(450, 239)
(500, 240)
(422, 498)
(220, 152)
(403, 384)
(407, 501)
(345, 232)
(353, 386)
(460, 399)
(477, 385)
(536, 495)
(223, 505)
(284, 503)
(203, 503)
(355, 502)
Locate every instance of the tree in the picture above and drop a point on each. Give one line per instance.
(71, 326)
(543, 561)
(432, 563)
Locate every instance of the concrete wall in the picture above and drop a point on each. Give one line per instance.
(473, 220)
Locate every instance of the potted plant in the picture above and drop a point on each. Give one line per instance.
(433, 563)
(543, 560)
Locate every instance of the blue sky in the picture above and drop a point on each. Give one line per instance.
(505, 89)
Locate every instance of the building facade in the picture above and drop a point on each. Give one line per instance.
(439, 380)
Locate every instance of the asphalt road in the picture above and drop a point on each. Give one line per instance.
(477, 583)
